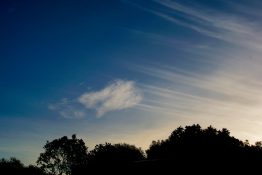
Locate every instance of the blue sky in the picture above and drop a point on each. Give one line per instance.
(126, 70)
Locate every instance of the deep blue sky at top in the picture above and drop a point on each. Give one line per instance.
(47, 46)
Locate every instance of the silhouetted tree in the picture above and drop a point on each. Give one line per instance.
(15, 167)
(34, 170)
(111, 158)
(115, 153)
(195, 142)
(258, 144)
(61, 155)
(12, 163)
(189, 146)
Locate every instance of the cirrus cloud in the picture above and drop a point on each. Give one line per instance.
(116, 96)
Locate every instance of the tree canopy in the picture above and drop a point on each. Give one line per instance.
(115, 153)
(193, 141)
(12, 163)
(16, 167)
(61, 155)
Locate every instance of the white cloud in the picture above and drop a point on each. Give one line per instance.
(116, 96)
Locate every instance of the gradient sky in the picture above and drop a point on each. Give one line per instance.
(127, 70)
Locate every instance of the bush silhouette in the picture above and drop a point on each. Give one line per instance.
(115, 153)
(15, 167)
(11, 166)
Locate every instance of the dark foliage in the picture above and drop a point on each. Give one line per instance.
(192, 141)
(187, 150)
(14, 166)
(202, 149)
(111, 158)
(115, 153)
(62, 155)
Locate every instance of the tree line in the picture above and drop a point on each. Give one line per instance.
(191, 146)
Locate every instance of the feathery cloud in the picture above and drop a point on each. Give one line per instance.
(234, 28)
(67, 109)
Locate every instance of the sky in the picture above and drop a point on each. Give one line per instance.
(127, 70)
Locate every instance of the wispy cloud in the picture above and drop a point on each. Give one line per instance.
(229, 96)
(68, 109)
(116, 96)
(234, 28)
(71, 112)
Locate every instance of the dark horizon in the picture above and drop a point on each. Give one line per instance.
(201, 149)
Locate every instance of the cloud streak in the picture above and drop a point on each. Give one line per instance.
(229, 96)
(224, 85)
(116, 96)
(68, 109)
(234, 28)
